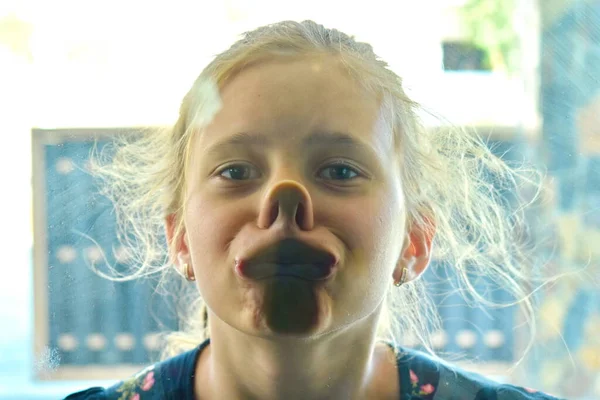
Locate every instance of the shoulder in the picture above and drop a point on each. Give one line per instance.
(142, 385)
(424, 377)
(168, 379)
(95, 393)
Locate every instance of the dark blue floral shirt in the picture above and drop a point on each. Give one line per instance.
(421, 378)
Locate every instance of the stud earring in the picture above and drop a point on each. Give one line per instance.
(403, 277)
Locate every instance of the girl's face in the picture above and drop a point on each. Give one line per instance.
(294, 219)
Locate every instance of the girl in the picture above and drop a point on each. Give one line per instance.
(302, 196)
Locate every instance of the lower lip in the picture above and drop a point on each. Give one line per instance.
(240, 269)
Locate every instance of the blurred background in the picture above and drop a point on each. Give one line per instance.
(524, 73)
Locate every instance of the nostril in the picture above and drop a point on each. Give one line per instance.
(273, 214)
(300, 215)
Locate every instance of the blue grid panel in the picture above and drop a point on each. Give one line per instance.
(79, 223)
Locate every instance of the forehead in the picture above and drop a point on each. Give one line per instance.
(289, 99)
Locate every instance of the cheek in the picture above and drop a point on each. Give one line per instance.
(210, 228)
(374, 233)
(374, 237)
(371, 236)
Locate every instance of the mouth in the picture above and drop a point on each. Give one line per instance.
(288, 258)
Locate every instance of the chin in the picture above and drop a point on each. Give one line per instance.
(290, 307)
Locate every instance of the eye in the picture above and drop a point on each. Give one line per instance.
(238, 172)
(339, 171)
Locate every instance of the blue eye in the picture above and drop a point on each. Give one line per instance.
(239, 172)
(339, 172)
(242, 172)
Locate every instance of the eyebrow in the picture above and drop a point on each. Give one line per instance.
(320, 138)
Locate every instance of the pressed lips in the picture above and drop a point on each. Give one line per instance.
(288, 257)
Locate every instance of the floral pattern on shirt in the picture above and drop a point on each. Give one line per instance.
(132, 388)
(420, 388)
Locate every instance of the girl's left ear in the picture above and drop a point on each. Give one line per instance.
(416, 253)
(178, 247)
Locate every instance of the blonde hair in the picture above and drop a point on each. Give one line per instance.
(452, 183)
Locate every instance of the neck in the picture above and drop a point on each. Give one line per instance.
(341, 366)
